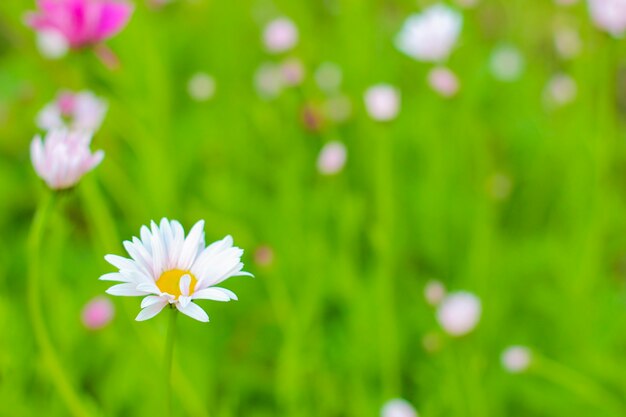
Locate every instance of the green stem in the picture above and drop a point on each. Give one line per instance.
(51, 360)
(169, 358)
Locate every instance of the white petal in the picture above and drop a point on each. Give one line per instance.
(151, 299)
(194, 311)
(189, 250)
(184, 301)
(184, 283)
(151, 311)
(149, 287)
(211, 294)
(114, 276)
(126, 290)
(120, 262)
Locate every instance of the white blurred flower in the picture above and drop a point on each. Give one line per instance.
(201, 86)
(443, 81)
(268, 80)
(567, 42)
(516, 359)
(332, 158)
(560, 90)
(63, 157)
(506, 63)
(328, 77)
(609, 15)
(459, 313)
(430, 35)
(76, 111)
(434, 292)
(52, 44)
(398, 408)
(280, 35)
(168, 268)
(292, 72)
(338, 108)
(382, 102)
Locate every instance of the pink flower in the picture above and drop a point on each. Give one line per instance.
(97, 313)
(280, 35)
(63, 157)
(443, 81)
(332, 158)
(382, 102)
(609, 15)
(264, 255)
(81, 22)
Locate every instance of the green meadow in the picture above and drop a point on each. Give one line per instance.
(493, 191)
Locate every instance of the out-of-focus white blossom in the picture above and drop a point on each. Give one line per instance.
(382, 102)
(459, 313)
(430, 35)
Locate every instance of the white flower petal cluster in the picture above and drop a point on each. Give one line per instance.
(169, 268)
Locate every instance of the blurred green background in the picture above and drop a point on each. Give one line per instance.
(335, 326)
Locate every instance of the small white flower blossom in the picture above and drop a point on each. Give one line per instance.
(382, 102)
(280, 35)
(201, 86)
(516, 359)
(76, 111)
(459, 313)
(430, 35)
(332, 158)
(169, 268)
(398, 408)
(609, 15)
(63, 157)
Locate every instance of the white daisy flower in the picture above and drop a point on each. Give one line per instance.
(168, 268)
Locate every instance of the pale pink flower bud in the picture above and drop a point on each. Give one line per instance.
(97, 313)
(430, 35)
(434, 292)
(382, 102)
(516, 359)
(567, 42)
(332, 158)
(292, 72)
(75, 111)
(398, 408)
(609, 15)
(459, 313)
(328, 77)
(81, 22)
(280, 35)
(63, 157)
(338, 108)
(201, 86)
(268, 80)
(506, 63)
(443, 81)
(264, 255)
(560, 90)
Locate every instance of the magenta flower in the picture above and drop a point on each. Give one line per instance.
(81, 22)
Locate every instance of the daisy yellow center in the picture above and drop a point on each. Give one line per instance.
(169, 282)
